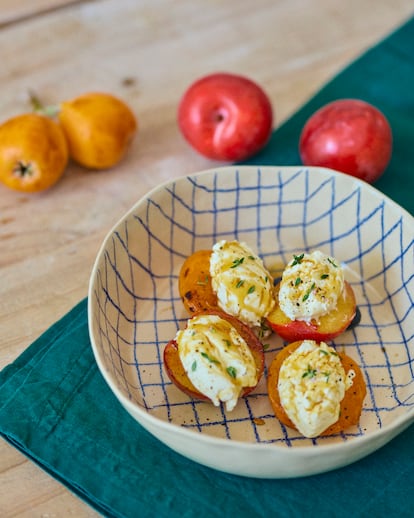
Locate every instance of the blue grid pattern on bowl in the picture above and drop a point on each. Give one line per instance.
(278, 212)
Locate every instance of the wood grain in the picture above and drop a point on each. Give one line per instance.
(146, 52)
(13, 11)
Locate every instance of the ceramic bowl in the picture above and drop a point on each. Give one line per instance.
(135, 309)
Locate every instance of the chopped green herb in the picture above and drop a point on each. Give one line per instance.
(326, 374)
(194, 366)
(332, 262)
(209, 358)
(252, 257)
(251, 289)
(240, 283)
(266, 346)
(297, 259)
(297, 281)
(237, 262)
(227, 342)
(324, 352)
(310, 373)
(231, 371)
(307, 294)
(324, 276)
(264, 328)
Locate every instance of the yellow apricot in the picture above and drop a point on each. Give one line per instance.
(98, 127)
(33, 152)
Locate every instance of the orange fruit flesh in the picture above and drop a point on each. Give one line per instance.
(194, 283)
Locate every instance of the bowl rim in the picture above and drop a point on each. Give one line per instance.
(391, 429)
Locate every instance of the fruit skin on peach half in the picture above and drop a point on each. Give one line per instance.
(33, 152)
(176, 371)
(99, 128)
(328, 327)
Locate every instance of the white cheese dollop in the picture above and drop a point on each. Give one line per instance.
(311, 286)
(243, 285)
(312, 383)
(216, 358)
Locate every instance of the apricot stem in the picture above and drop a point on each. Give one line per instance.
(38, 107)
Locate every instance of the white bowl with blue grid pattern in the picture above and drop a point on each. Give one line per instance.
(135, 309)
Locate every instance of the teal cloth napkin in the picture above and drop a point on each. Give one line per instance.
(56, 408)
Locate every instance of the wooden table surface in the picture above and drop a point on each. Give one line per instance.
(146, 52)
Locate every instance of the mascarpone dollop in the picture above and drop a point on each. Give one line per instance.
(243, 285)
(311, 286)
(217, 359)
(312, 383)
